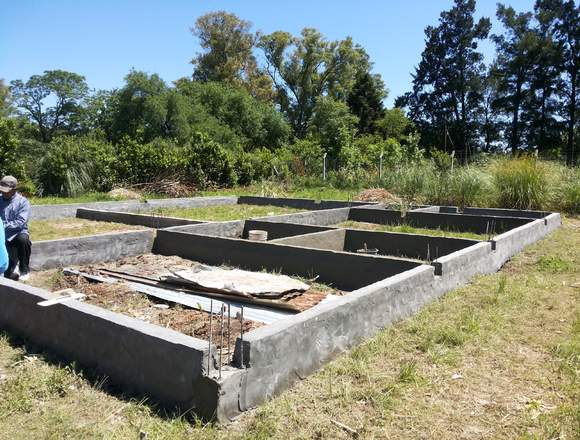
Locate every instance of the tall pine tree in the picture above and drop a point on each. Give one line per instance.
(448, 83)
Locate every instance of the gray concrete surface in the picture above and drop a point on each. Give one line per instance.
(150, 221)
(454, 222)
(140, 357)
(332, 240)
(50, 254)
(343, 270)
(324, 217)
(309, 204)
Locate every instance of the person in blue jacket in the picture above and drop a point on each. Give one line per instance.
(15, 212)
(3, 251)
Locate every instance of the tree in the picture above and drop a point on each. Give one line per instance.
(307, 67)
(145, 108)
(447, 84)
(229, 43)
(564, 20)
(255, 123)
(366, 101)
(10, 160)
(332, 125)
(395, 125)
(539, 112)
(66, 89)
(515, 59)
(5, 100)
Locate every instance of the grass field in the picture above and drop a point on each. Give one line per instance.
(499, 358)
(222, 212)
(72, 227)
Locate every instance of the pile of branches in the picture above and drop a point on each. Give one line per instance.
(167, 187)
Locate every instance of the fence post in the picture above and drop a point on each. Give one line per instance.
(324, 166)
(381, 166)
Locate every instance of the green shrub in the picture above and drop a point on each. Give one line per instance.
(308, 156)
(412, 181)
(10, 160)
(442, 160)
(520, 183)
(208, 163)
(467, 185)
(253, 166)
(139, 163)
(568, 195)
(73, 166)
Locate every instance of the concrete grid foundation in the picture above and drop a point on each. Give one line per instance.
(171, 368)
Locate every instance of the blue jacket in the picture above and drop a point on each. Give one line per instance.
(3, 252)
(15, 214)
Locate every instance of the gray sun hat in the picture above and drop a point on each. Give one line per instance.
(8, 183)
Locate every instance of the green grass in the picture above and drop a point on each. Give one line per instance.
(498, 358)
(222, 212)
(411, 230)
(72, 227)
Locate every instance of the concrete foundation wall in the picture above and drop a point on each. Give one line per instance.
(282, 353)
(422, 247)
(332, 240)
(318, 218)
(50, 254)
(281, 230)
(142, 358)
(455, 222)
(48, 212)
(342, 270)
(233, 229)
(309, 204)
(150, 221)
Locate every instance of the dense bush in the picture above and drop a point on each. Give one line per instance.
(72, 166)
(208, 163)
(10, 161)
(137, 162)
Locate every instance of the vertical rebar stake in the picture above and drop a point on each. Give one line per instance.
(209, 340)
(242, 336)
(229, 334)
(221, 338)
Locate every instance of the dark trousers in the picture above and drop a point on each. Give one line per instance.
(18, 253)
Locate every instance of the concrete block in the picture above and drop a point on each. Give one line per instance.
(50, 254)
(150, 221)
(141, 358)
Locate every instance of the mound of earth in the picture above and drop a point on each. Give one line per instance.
(379, 195)
(124, 194)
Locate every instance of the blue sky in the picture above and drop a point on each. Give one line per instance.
(104, 39)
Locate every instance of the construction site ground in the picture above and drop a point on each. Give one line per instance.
(120, 297)
(496, 359)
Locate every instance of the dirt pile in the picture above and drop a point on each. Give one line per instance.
(378, 195)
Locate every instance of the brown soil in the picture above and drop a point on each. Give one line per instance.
(378, 195)
(119, 297)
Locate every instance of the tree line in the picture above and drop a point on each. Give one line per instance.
(251, 91)
(526, 99)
